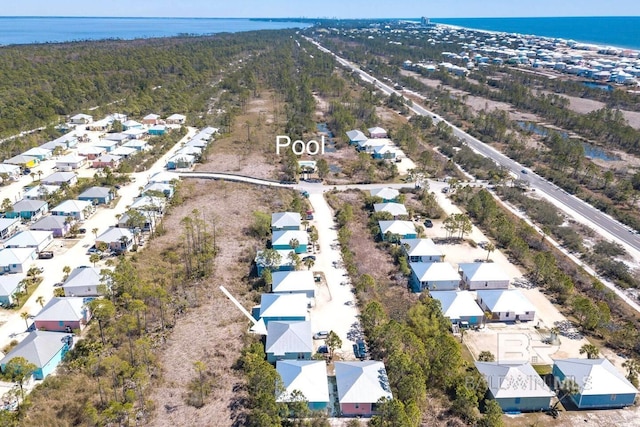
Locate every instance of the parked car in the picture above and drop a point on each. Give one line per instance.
(321, 335)
(45, 254)
(82, 230)
(428, 223)
(323, 349)
(311, 257)
(362, 348)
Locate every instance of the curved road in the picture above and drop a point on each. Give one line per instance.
(571, 205)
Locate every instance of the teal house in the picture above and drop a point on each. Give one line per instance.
(10, 285)
(28, 209)
(308, 377)
(397, 230)
(287, 240)
(157, 130)
(288, 340)
(516, 387)
(600, 384)
(97, 195)
(44, 349)
(283, 307)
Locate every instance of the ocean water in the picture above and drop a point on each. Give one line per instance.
(26, 30)
(618, 31)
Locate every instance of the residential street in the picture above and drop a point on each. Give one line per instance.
(14, 326)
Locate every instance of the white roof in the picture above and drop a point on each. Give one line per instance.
(148, 202)
(513, 380)
(421, 247)
(383, 149)
(16, 255)
(285, 219)
(362, 382)
(151, 117)
(37, 151)
(70, 158)
(115, 234)
(8, 222)
(107, 158)
(376, 129)
(123, 151)
(40, 191)
(96, 192)
(291, 281)
(434, 271)
(595, 376)
(70, 206)
(307, 376)
(283, 237)
(135, 143)
(289, 337)
(385, 193)
(165, 177)
(394, 209)
(397, 227)
(190, 150)
(91, 149)
(483, 271)
(82, 116)
(62, 309)
(28, 205)
(83, 276)
(505, 300)
(283, 305)
(130, 123)
(9, 283)
(176, 117)
(134, 132)
(457, 304)
(29, 238)
(356, 135)
(9, 168)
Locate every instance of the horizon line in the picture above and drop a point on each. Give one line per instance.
(312, 17)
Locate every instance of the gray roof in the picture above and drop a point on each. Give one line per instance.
(289, 337)
(95, 192)
(483, 271)
(290, 281)
(285, 219)
(28, 205)
(394, 209)
(513, 380)
(16, 255)
(59, 177)
(115, 234)
(83, 276)
(62, 309)
(29, 238)
(421, 247)
(457, 304)
(356, 135)
(307, 376)
(397, 227)
(38, 347)
(50, 222)
(10, 282)
(595, 376)
(362, 382)
(71, 206)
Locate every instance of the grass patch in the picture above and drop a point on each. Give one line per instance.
(543, 369)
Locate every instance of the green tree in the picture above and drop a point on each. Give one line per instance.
(103, 311)
(323, 168)
(592, 351)
(333, 342)
(40, 300)
(486, 356)
(492, 414)
(19, 370)
(309, 262)
(25, 316)
(201, 369)
(392, 413)
(7, 205)
(567, 387)
(490, 247)
(261, 227)
(633, 368)
(94, 259)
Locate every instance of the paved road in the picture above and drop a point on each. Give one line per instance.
(571, 205)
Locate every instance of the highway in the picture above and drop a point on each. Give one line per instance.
(574, 207)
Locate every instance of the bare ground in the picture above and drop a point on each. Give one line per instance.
(212, 332)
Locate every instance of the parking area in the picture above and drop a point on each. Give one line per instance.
(335, 308)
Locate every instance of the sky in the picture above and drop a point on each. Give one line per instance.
(321, 8)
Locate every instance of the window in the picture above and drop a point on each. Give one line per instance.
(506, 315)
(613, 397)
(60, 323)
(357, 405)
(517, 400)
